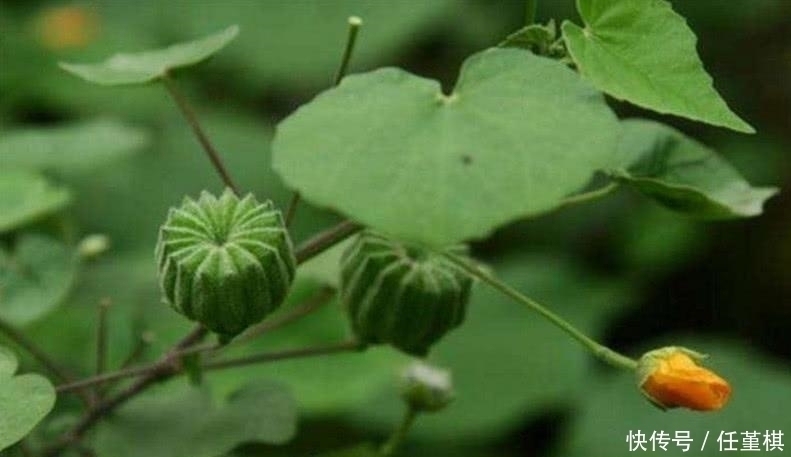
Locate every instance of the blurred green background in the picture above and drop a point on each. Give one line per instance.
(627, 271)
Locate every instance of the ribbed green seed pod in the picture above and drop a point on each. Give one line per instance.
(405, 296)
(225, 262)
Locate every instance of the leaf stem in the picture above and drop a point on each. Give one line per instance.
(203, 139)
(351, 39)
(326, 239)
(602, 352)
(399, 434)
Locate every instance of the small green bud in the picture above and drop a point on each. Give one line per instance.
(225, 262)
(401, 295)
(93, 246)
(426, 388)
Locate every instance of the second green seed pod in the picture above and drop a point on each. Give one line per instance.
(401, 295)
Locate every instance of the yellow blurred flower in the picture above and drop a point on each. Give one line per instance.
(672, 377)
(66, 27)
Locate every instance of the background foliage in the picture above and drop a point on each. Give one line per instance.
(627, 271)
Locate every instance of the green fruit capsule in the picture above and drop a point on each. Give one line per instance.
(225, 262)
(402, 295)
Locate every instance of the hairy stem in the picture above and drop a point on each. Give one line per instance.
(602, 352)
(351, 39)
(203, 139)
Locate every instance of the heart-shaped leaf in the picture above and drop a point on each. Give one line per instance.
(34, 278)
(70, 148)
(684, 175)
(182, 421)
(387, 148)
(24, 400)
(643, 52)
(26, 196)
(146, 66)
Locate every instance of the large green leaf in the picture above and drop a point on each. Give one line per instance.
(146, 66)
(684, 175)
(643, 52)
(389, 149)
(26, 196)
(613, 407)
(181, 421)
(72, 147)
(34, 278)
(24, 400)
(508, 364)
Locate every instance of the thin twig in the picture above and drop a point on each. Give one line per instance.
(170, 368)
(344, 346)
(167, 367)
(314, 302)
(326, 239)
(101, 336)
(143, 342)
(42, 357)
(351, 39)
(203, 139)
(311, 304)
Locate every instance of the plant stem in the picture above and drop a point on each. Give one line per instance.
(143, 341)
(345, 346)
(203, 139)
(530, 11)
(101, 336)
(351, 39)
(314, 302)
(42, 357)
(602, 352)
(399, 434)
(326, 239)
(167, 367)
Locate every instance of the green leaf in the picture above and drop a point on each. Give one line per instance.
(24, 400)
(613, 406)
(146, 66)
(684, 175)
(508, 364)
(388, 149)
(74, 147)
(34, 278)
(181, 421)
(26, 196)
(643, 52)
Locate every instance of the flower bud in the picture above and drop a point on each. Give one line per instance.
(93, 246)
(225, 262)
(426, 388)
(401, 295)
(672, 377)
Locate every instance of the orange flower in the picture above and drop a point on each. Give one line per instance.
(66, 27)
(672, 377)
